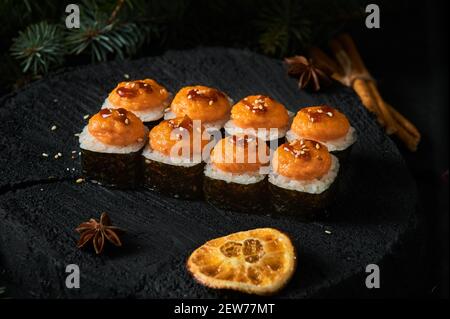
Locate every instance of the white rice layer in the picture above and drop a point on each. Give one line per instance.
(149, 153)
(315, 186)
(244, 179)
(339, 144)
(90, 143)
(147, 115)
(261, 133)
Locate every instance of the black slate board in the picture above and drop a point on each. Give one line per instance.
(40, 203)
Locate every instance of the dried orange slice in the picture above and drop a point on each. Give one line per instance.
(259, 261)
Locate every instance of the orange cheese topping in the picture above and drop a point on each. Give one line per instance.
(201, 103)
(167, 134)
(138, 95)
(116, 127)
(239, 154)
(320, 123)
(302, 160)
(259, 111)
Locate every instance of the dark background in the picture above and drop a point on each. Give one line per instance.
(407, 56)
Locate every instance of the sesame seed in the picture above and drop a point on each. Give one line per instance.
(53, 127)
(327, 232)
(59, 154)
(329, 114)
(319, 111)
(210, 102)
(126, 76)
(317, 145)
(189, 96)
(127, 121)
(76, 134)
(312, 119)
(45, 154)
(73, 152)
(86, 116)
(80, 180)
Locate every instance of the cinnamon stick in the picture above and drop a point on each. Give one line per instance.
(368, 100)
(359, 85)
(322, 60)
(404, 122)
(356, 70)
(351, 71)
(391, 126)
(410, 141)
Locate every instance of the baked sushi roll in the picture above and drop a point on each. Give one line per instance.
(146, 98)
(260, 116)
(110, 145)
(235, 177)
(302, 180)
(173, 159)
(326, 125)
(210, 106)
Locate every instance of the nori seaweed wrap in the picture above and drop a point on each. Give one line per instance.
(110, 148)
(235, 178)
(177, 181)
(172, 161)
(302, 181)
(112, 170)
(247, 198)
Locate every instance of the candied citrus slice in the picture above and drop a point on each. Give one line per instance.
(259, 261)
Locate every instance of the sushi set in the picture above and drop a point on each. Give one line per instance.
(253, 156)
(170, 241)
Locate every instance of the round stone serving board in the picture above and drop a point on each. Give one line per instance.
(41, 204)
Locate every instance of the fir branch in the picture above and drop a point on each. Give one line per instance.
(284, 27)
(102, 38)
(39, 48)
(116, 10)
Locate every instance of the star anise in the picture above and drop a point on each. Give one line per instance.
(310, 75)
(98, 232)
